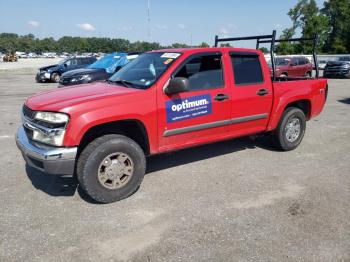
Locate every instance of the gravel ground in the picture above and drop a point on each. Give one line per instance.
(238, 200)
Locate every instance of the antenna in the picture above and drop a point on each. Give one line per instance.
(149, 18)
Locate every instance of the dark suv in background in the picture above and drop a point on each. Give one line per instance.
(340, 68)
(53, 72)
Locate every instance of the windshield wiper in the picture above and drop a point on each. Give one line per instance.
(123, 82)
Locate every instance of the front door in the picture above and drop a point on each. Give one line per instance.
(202, 113)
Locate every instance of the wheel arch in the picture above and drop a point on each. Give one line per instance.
(303, 104)
(131, 128)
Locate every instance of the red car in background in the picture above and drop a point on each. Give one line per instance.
(293, 67)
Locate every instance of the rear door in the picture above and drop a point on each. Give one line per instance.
(202, 113)
(252, 93)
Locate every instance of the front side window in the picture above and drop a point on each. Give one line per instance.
(145, 69)
(72, 62)
(246, 69)
(294, 62)
(203, 72)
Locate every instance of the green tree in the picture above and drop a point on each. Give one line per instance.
(306, 18)
(203, 45)
(264, 50)
(338, 14)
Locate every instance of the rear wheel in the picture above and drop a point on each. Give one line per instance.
(291, 129)
(111, 168)
(55, 77)
(284, 75)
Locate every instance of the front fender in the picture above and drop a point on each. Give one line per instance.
(138, 107)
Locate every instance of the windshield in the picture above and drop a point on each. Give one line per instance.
(63, 61)
(109, 62)
(145, 70)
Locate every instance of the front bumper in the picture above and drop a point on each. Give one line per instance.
(51, 160)
(42, 76)
(339, 72)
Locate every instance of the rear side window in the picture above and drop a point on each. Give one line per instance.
(246, 69)
(203, 72)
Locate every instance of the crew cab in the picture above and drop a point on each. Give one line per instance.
(162, 101)
(53, 73)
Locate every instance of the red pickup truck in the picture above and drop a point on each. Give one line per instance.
(162, 101)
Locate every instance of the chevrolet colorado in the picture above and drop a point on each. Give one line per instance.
(162, 101)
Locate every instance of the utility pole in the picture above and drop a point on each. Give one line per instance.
(149, 19)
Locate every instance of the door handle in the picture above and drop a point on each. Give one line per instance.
(221, 97)
(262, 92)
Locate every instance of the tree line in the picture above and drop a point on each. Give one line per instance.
(29, 43)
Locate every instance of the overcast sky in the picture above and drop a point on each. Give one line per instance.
(171, 20)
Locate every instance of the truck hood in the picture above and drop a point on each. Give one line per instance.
(83, 71)
(62, 99)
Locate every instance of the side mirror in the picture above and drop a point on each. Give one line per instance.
(293, 64)
(177, 85)
(65, 65)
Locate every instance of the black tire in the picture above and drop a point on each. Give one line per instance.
(88, 167)
(55, 77)
(284, 75)
(280, 134)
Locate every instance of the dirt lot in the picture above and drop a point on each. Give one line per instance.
(238, 200)
(28, 63)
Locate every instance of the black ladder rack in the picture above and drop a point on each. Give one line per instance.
(272, 40)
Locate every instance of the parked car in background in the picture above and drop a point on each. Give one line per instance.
(100, 70)
(21, 54)
(322, 64)
(340, 68)
(53, 72)
(292, 67)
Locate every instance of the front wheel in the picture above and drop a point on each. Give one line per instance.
(111, 168)
(291, 129)
(55, 77)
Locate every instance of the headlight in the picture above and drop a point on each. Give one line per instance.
(80, 78)
(53, 131)
(347, 66)
(55, 138)
(50, 117)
